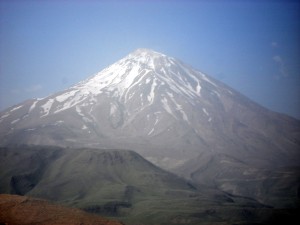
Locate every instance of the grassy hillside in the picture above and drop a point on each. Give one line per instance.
(276, 187)
(120, 184)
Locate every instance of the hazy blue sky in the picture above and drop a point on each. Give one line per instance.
(253, 46)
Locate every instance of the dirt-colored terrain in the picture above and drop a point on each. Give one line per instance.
(23, 210)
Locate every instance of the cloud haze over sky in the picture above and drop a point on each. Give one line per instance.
(253, 46)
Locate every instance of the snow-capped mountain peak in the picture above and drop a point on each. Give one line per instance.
(142, 73)
(173, 115)
(129, 88)
(151, 103)
(144, 53)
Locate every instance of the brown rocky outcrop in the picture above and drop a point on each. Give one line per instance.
(15, 210)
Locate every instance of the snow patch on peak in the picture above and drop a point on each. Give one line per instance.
(151, 95)
(15, 108)
(148, 80)
(145, 51)
(32, 106)
(58, 123)
(4, 116)
(113, 109)
(15, 121)
(78, 110)
(166, 106)
(204, 77)
(46, 107)
(148, 57)
(65, 96)
(204, 110)
(198, 88)
(84, 127)
(207, 114)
